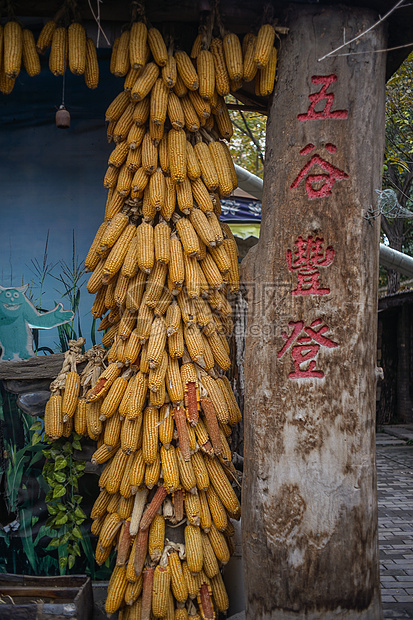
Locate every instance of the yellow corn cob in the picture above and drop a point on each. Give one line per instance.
(176, 343)
(191, 436)
(211, 272)
(159, 102)
(233, 56)
(201, 106)
(122, 64)
(129, 439)
(150, 434)
(110, 131)
(203, 313)
(156, 132)
(152, 472)
(134, 161)
(117, 469)
(219, 158)
(104, 382)
(206, 74)
(186, 472)
(201, 195)
(95, 280)
(216, 396)
(116, 589)
(114, 206)
(94, 425)
(178, 583)
(186, 70)
(104, 476)
(112, 431)
(149, 155)
(267, 74)
(217, 509)
(202, 226)
(110, 335)
(72, 387)
(144, 323)
(130, 264)
(169, 72)
(137, 471)
(157, 46)
(100, 505)
(201, 433)
(157, 375)
(109, 530)
(231, 250)
(205, 513)
(30, 56)
(196, 46)
(67, 427)
(117, 107)
(155, 285)
(156, 539)
(125, 506)
(138, 396)
(80, 424)
(118, 155)
(187, 308)
(45, 37)
(140, 180)
(145, 82)
(179, 88)
(192, 509)
(135, 136)
(193, 169)
(222, 486)
(235, 413)
(166, 427)
(148, 211)
(157, 341)
(115, 259)
(250, 66)
(135, 290)
(53, 418)
(146, 249)
(137, 45)
(193, 546)
(163, 304)
(160, 591)
(210, 564)
(220, 354)
(12, 49)
(221, 73)
(6, 84)
(114, 502)
(177, 154)
(124, 124)
(194, 343)
(124, 181)
(208, 171)
(113, 398)
(173, 381)
(131, 78)
(157, 195)
(264, 45)
(172, 319)
(219, 593)
(200, 470)
(224, 123)
(113, 55)
(176, 263)
(76, 41)
(219, 544)
(164, 160)
(188, 236)
(192, 120)
(125, 488)
(113, 231)
(192, 581)
(213, 221)
(184, 196)
(141, 112)
(58, 51)
(170, 468)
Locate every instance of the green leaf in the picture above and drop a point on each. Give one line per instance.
(61, 520)
(77, 445)
(76, 532)
(62, 562)
(59, 491)
(79, 513)
(60, 477)
(37, 426)
(36, 438)
(55, 542)
(60, 463)
(65, 538)
(71, 562)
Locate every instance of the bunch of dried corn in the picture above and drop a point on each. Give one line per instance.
(70, 46)
(17, 46)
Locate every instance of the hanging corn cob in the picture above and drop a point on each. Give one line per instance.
(162, 267)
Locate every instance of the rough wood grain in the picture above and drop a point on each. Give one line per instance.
(42, 367)
(309, 495)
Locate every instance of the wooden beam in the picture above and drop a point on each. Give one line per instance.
(309, 498)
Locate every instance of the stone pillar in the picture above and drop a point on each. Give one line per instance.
(309, 497)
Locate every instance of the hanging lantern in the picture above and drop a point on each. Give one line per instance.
(62, 118)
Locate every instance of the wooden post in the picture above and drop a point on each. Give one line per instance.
(309, 497)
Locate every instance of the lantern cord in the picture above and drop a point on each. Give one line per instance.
(97, 20)
(382, 19)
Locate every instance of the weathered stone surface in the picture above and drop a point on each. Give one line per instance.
(40, 367)
(309, 496)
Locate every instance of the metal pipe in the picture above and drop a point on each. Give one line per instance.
(390, 258)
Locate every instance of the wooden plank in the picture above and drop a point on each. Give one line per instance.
(41, 367)
(309, 496)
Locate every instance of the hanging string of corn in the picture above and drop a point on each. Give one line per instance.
(163, 267)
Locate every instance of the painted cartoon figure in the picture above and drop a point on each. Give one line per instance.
(17, 316)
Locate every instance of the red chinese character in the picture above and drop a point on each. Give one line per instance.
(306, 260)
(327, 180)
(322, 95)
(306, 347)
